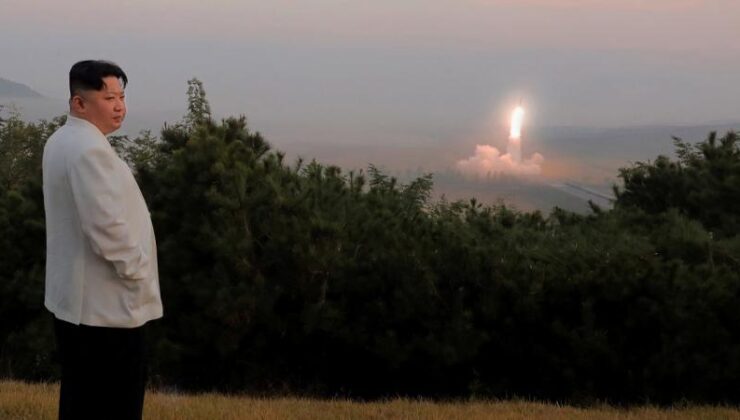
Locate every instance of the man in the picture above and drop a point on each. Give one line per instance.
(102, 283)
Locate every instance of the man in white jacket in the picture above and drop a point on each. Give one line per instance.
(102, 283)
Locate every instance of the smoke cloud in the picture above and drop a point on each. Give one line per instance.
(487, 161)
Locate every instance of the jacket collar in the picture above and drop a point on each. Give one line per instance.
(80, 122)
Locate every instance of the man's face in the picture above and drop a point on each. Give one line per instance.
(105, 108)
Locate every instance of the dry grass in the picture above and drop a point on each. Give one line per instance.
(20, 400)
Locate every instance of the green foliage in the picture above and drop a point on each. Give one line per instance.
(703, 183)
(199, 110)
(304, 278)
(21, 148)
(141, 153)
(25, 333)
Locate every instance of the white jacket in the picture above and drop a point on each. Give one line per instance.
(101, 255)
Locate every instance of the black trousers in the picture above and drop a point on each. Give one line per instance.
(104, 371)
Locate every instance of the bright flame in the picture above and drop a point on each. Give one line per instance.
(489, 161)
(517, 117)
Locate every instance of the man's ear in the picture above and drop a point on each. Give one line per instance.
(77, 104)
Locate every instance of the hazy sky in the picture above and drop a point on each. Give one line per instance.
(345, 69)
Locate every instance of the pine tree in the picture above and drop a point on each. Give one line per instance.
(199, 110)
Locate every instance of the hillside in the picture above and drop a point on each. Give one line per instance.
(10, 89)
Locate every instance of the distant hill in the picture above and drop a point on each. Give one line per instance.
(10, 89)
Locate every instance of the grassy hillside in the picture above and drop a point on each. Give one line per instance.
(38, 401)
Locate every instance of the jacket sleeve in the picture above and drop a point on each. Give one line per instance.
(99, 195)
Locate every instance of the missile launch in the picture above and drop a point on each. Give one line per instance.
(488, 160)
(514, 148)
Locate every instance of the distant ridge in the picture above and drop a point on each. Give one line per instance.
(10, 89)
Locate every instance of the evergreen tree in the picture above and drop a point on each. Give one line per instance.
(703, 183)
(199, 110)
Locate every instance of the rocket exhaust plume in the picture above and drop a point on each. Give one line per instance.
(515, 134)
(489, 161)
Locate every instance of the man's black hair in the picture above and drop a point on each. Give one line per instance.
(89, 74)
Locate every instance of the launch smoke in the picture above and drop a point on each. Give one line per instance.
(488, 161)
